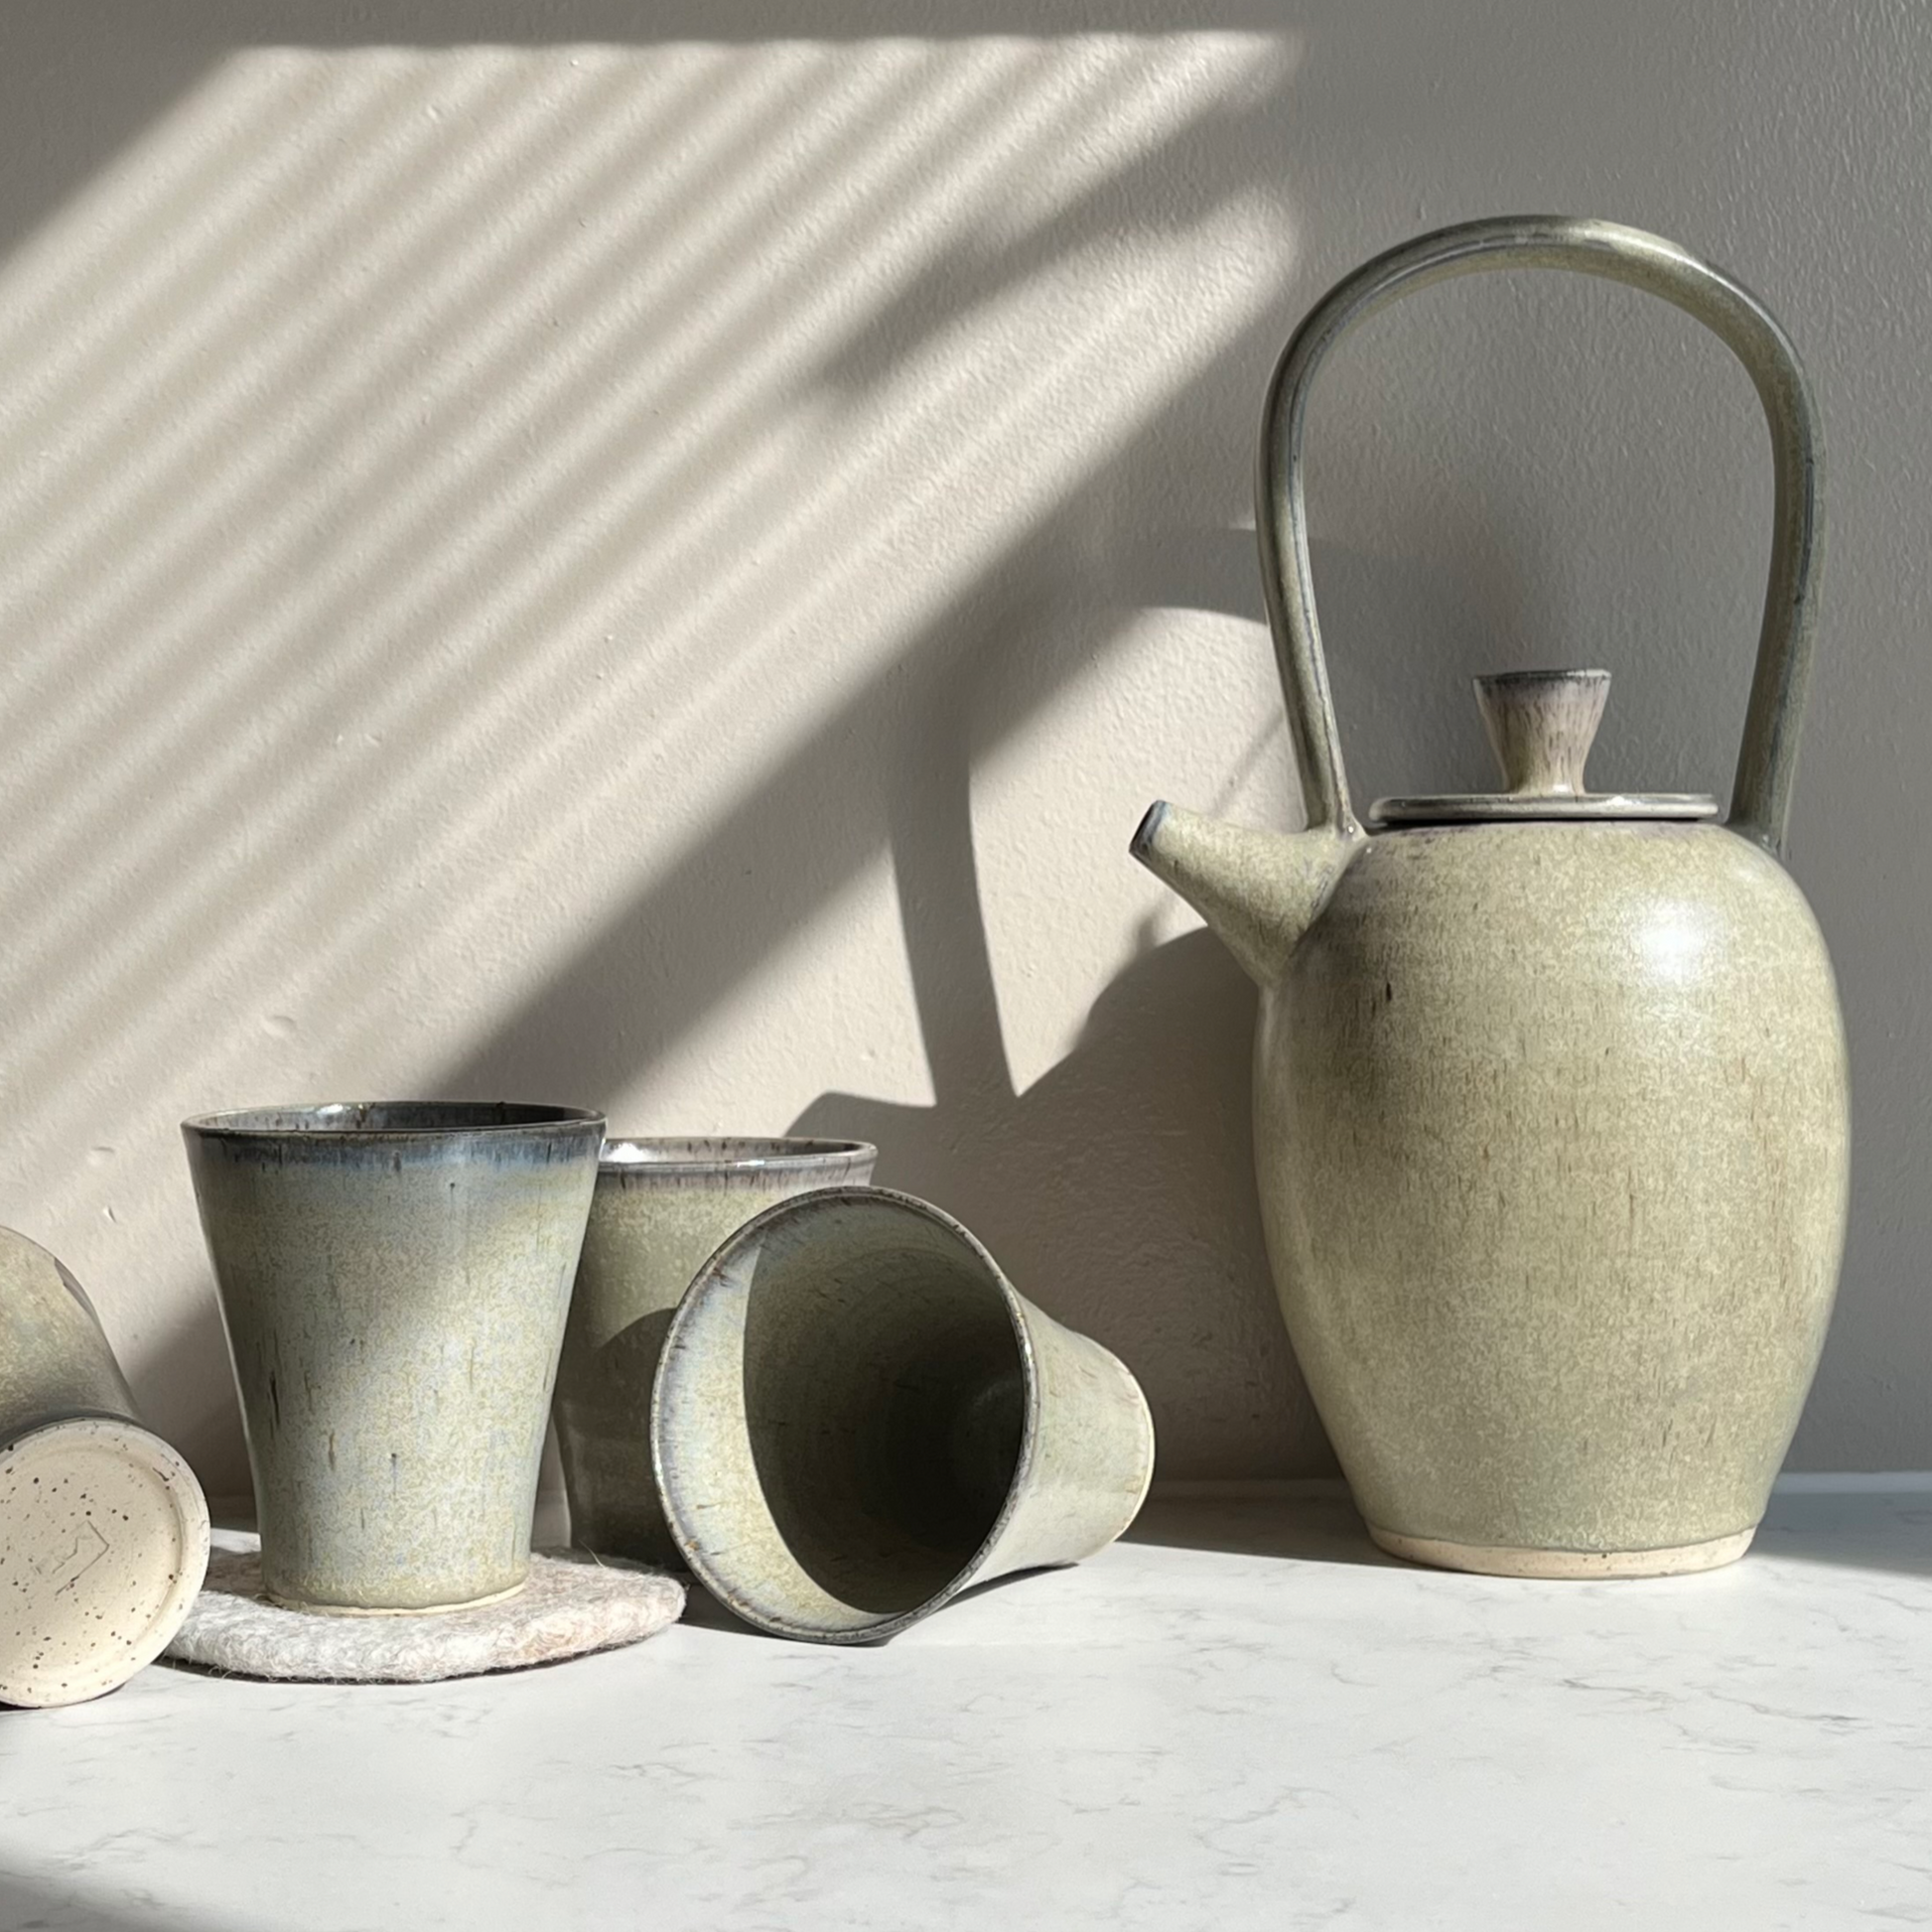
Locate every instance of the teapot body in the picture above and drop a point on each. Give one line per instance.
(1552, 1140)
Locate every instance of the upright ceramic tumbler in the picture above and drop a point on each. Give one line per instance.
(856, 1417)
(104, 1530)
(660, 1208)
(394, 1278)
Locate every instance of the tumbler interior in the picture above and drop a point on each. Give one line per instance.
(842, 1414)
(735, 1153)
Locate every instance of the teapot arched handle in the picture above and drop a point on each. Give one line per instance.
(1760, 799)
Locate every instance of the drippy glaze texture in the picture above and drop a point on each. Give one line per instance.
(394, 1278)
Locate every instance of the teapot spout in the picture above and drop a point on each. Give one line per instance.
(1259, 892)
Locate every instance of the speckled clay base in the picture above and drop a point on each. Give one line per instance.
(1499, 1560)
(103, 1539)
(570, 1605)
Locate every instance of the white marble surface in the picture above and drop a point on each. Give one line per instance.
(1241, 1719)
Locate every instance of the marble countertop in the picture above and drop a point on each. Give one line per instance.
(1243, 1716)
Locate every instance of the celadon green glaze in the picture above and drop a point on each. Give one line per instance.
(856, 1417)
(660, 1208)
(1555, 1174)
(1551, 1105)
(394, 1278)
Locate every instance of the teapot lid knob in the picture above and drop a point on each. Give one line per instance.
(1541, 725)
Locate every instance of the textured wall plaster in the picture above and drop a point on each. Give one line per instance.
(596, 561)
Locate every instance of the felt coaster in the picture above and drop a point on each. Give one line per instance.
(573, 1603)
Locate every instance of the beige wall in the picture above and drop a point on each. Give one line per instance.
(580, 562)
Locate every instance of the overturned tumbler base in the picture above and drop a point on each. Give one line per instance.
(103, 1539)
(1499, 1560)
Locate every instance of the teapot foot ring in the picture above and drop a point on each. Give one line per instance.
(1501, 1559)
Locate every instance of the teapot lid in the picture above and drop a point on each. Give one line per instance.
(1541, 724)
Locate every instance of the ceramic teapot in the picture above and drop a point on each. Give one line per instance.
(1551, 1115)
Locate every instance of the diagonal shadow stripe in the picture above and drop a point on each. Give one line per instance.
(138, 58)
(1003, 648)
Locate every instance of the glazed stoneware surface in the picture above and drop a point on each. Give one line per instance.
(104, 1530)
(660, 1208)
(1541, 725)
(857, 1416)
(1551, 1113)
(55, 1361)
(1552, 1152)
(394, 1279)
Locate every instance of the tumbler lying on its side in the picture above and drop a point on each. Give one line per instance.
(103, 1529)
(856, 1417)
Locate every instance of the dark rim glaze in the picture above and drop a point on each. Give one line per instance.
(394, 1119)
(731, 1155)
(1578, 674)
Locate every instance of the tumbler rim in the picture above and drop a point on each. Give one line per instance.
(680, 1154)
(667, 1465)
(389, 1120)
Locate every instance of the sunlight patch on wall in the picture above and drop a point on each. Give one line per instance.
(439, 489)
(1194, 713)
